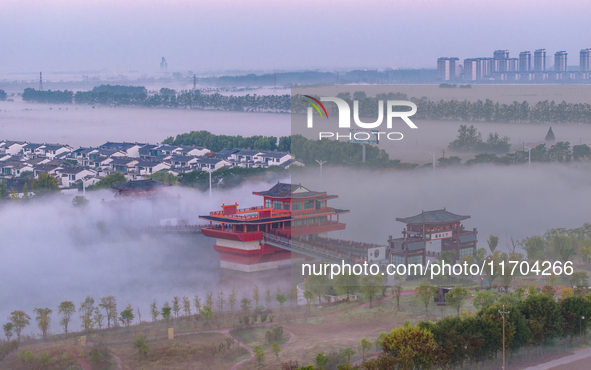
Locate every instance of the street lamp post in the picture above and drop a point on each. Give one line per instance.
(581, 328)
(321, 163)
(503, 314)
(433, 160)
(209, 170)
(529, 151)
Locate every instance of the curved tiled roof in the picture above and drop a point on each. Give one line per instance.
(433, 217)
(289, 190)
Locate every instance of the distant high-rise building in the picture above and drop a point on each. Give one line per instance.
(560, 61)
(540, 60)
(512, 65)
(477, 68)
(500, 60)
(525, 61)
(501, 54)
(163, 65)
(470, 69)
(585, 60)
(448, 68)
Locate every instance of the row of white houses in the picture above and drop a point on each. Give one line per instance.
(135, 161)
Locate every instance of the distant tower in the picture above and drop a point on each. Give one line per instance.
(525, 61)
(550, 138)
(585, 60)
(540, 60)
(40, 81)
(163, 65)
(560, 61)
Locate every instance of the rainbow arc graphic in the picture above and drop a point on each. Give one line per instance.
(317, 104)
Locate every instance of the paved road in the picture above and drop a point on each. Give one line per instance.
(579, 360)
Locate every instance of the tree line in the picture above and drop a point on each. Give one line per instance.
(479, 111)
(217, 143)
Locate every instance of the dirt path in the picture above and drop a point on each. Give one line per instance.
(292, 336)
(578, 360)
(80, 360)
(117, 359)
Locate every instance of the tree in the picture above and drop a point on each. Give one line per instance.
(207, 314)
(492, 242)
(27, 358)
(321, 360)
(45, 184)
(256, 295)
(109, 304)
(43, 320)
(281, 299)
(562, 248)
(468, 139)
(346, 284)
(371, 285)
(308, 296)
(209, 300)
(573, 308)
(293, 296)
(364, 347)
(268, 298)
(86, 311)
(140, 344)
(276, 348)
(411, 346)
(484, 299)
(66, 309)
(581, 152)
(197, 303)
(176, 306)
(425, 294)
(19, 320)
(79, 201)
(535, 248)
(544, 316)
(154, 312)
(348, 353)
(493, 273)
(8, 327)
(579, 279)
(232, 299)
(127, 316)
(221, 302)
(456, 297)
(98, 318)
(186, 306)
(166, 311)
(397, 290)
(114, 179)
(165, 177)
(259, 355)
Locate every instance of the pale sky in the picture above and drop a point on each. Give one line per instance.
(205, 35)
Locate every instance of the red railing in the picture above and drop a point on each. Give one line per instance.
(311, 211)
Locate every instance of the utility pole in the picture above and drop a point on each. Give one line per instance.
(210, 170)
(363, 153)
(321, 163)
(503, 313)
(529, 160)
(581, 328)
(433, 160)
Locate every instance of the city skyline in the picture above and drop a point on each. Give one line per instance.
(262, 35)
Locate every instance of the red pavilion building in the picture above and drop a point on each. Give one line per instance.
(287, 210)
